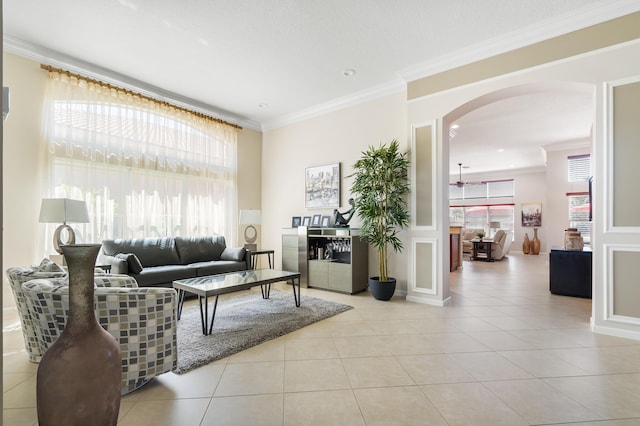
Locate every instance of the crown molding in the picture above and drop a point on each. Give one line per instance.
(553, 27)
(391, 88)
(60, 60)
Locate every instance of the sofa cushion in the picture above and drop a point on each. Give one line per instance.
(134, 266)
(164, 275)
(218, 267)
(236, 254)
(199, 249)
(150, 251)
(47, 265)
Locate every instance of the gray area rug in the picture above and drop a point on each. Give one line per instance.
(244, 319)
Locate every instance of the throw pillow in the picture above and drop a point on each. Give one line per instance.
(235, 254)
(47, 265)
(133, 263)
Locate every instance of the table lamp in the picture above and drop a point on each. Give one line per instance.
(494, 225)
(63, 210)
(250, 218)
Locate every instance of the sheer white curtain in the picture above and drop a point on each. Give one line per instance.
(144, 168)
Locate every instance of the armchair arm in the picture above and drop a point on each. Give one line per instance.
(119, 280)
(118, 265)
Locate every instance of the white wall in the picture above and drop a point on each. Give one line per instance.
(336, 137)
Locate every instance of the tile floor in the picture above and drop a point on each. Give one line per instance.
(505, 352)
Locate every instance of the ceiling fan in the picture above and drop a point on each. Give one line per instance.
(460, 183)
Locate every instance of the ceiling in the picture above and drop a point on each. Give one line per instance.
(265, 63)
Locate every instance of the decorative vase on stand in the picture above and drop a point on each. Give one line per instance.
(535, 243)
(526, 244)
(79, 377)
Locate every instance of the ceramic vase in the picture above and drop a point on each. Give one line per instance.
(535, 243)
(526, 244)
(79, 377)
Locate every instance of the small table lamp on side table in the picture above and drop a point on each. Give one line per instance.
(63, 210)
(250, 218)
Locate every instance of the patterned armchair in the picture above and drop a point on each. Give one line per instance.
(142, 320)
(47, 269)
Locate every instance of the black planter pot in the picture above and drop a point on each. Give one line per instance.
(382, 290)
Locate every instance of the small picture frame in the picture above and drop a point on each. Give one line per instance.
(295, 221)
(306, 221)
(325, 221)
(316, 220)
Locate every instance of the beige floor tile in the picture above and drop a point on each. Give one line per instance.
(10, 380)
(263, 410)
(547, 339)
(322, 409)
(273, 350)
(20, 417)
(540, 403)
(501, 340)
(602, 359)
(311, 348)
(469, 324)
(251, 379)
(198, 383)
(542, 363)
(183, 412)
(22, 395)
(433, 369)
(375, 372)
(611, 396)
(464, 404)
(315, 375)
(485, 366)
(617, 422)
(413, 407)
(362, 346)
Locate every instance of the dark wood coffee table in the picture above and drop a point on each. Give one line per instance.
(215, 285)
(482, 249)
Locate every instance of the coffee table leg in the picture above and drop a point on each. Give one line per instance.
(180, 302)
(296, 297)
(266, 290)
(213, 315)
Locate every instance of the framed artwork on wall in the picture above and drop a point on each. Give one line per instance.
(322, 186)
(532, 214)
(295, 221)
(325, 221)
(306, 221)
(316, 220)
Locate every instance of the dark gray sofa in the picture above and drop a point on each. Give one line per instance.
(157, 262)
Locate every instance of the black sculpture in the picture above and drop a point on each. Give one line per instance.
(341, 220)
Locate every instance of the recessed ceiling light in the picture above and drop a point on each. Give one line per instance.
(263, 105)
(455, 126)
(348, 72)
(500, 149)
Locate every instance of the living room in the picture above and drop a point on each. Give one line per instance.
(272, 160)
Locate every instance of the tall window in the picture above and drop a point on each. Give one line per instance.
(579, 214)
(489, 189)
(578, 168)
(144, 168)
(481, 216)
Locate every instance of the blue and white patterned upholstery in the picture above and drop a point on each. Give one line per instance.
(21, 274)
(142, 320)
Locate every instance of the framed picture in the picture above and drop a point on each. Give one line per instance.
(306, 221)
(325, 221)
(316, 220)
(322, 186)
(295, 221)
(532, 214)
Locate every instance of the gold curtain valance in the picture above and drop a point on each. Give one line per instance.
(141, 96)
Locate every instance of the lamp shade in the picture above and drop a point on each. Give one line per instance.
(250, 217)
(63, 210)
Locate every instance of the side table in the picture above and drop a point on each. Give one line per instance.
(482, 249)
(256, 253)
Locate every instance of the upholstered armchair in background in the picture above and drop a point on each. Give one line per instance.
(501, 244)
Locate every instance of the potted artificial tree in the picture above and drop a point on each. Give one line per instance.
(380, 188)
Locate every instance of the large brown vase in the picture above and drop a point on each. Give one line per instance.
(535, 243)
(79, 377)
(526, 244)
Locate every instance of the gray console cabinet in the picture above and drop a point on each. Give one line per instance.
(344, 262)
